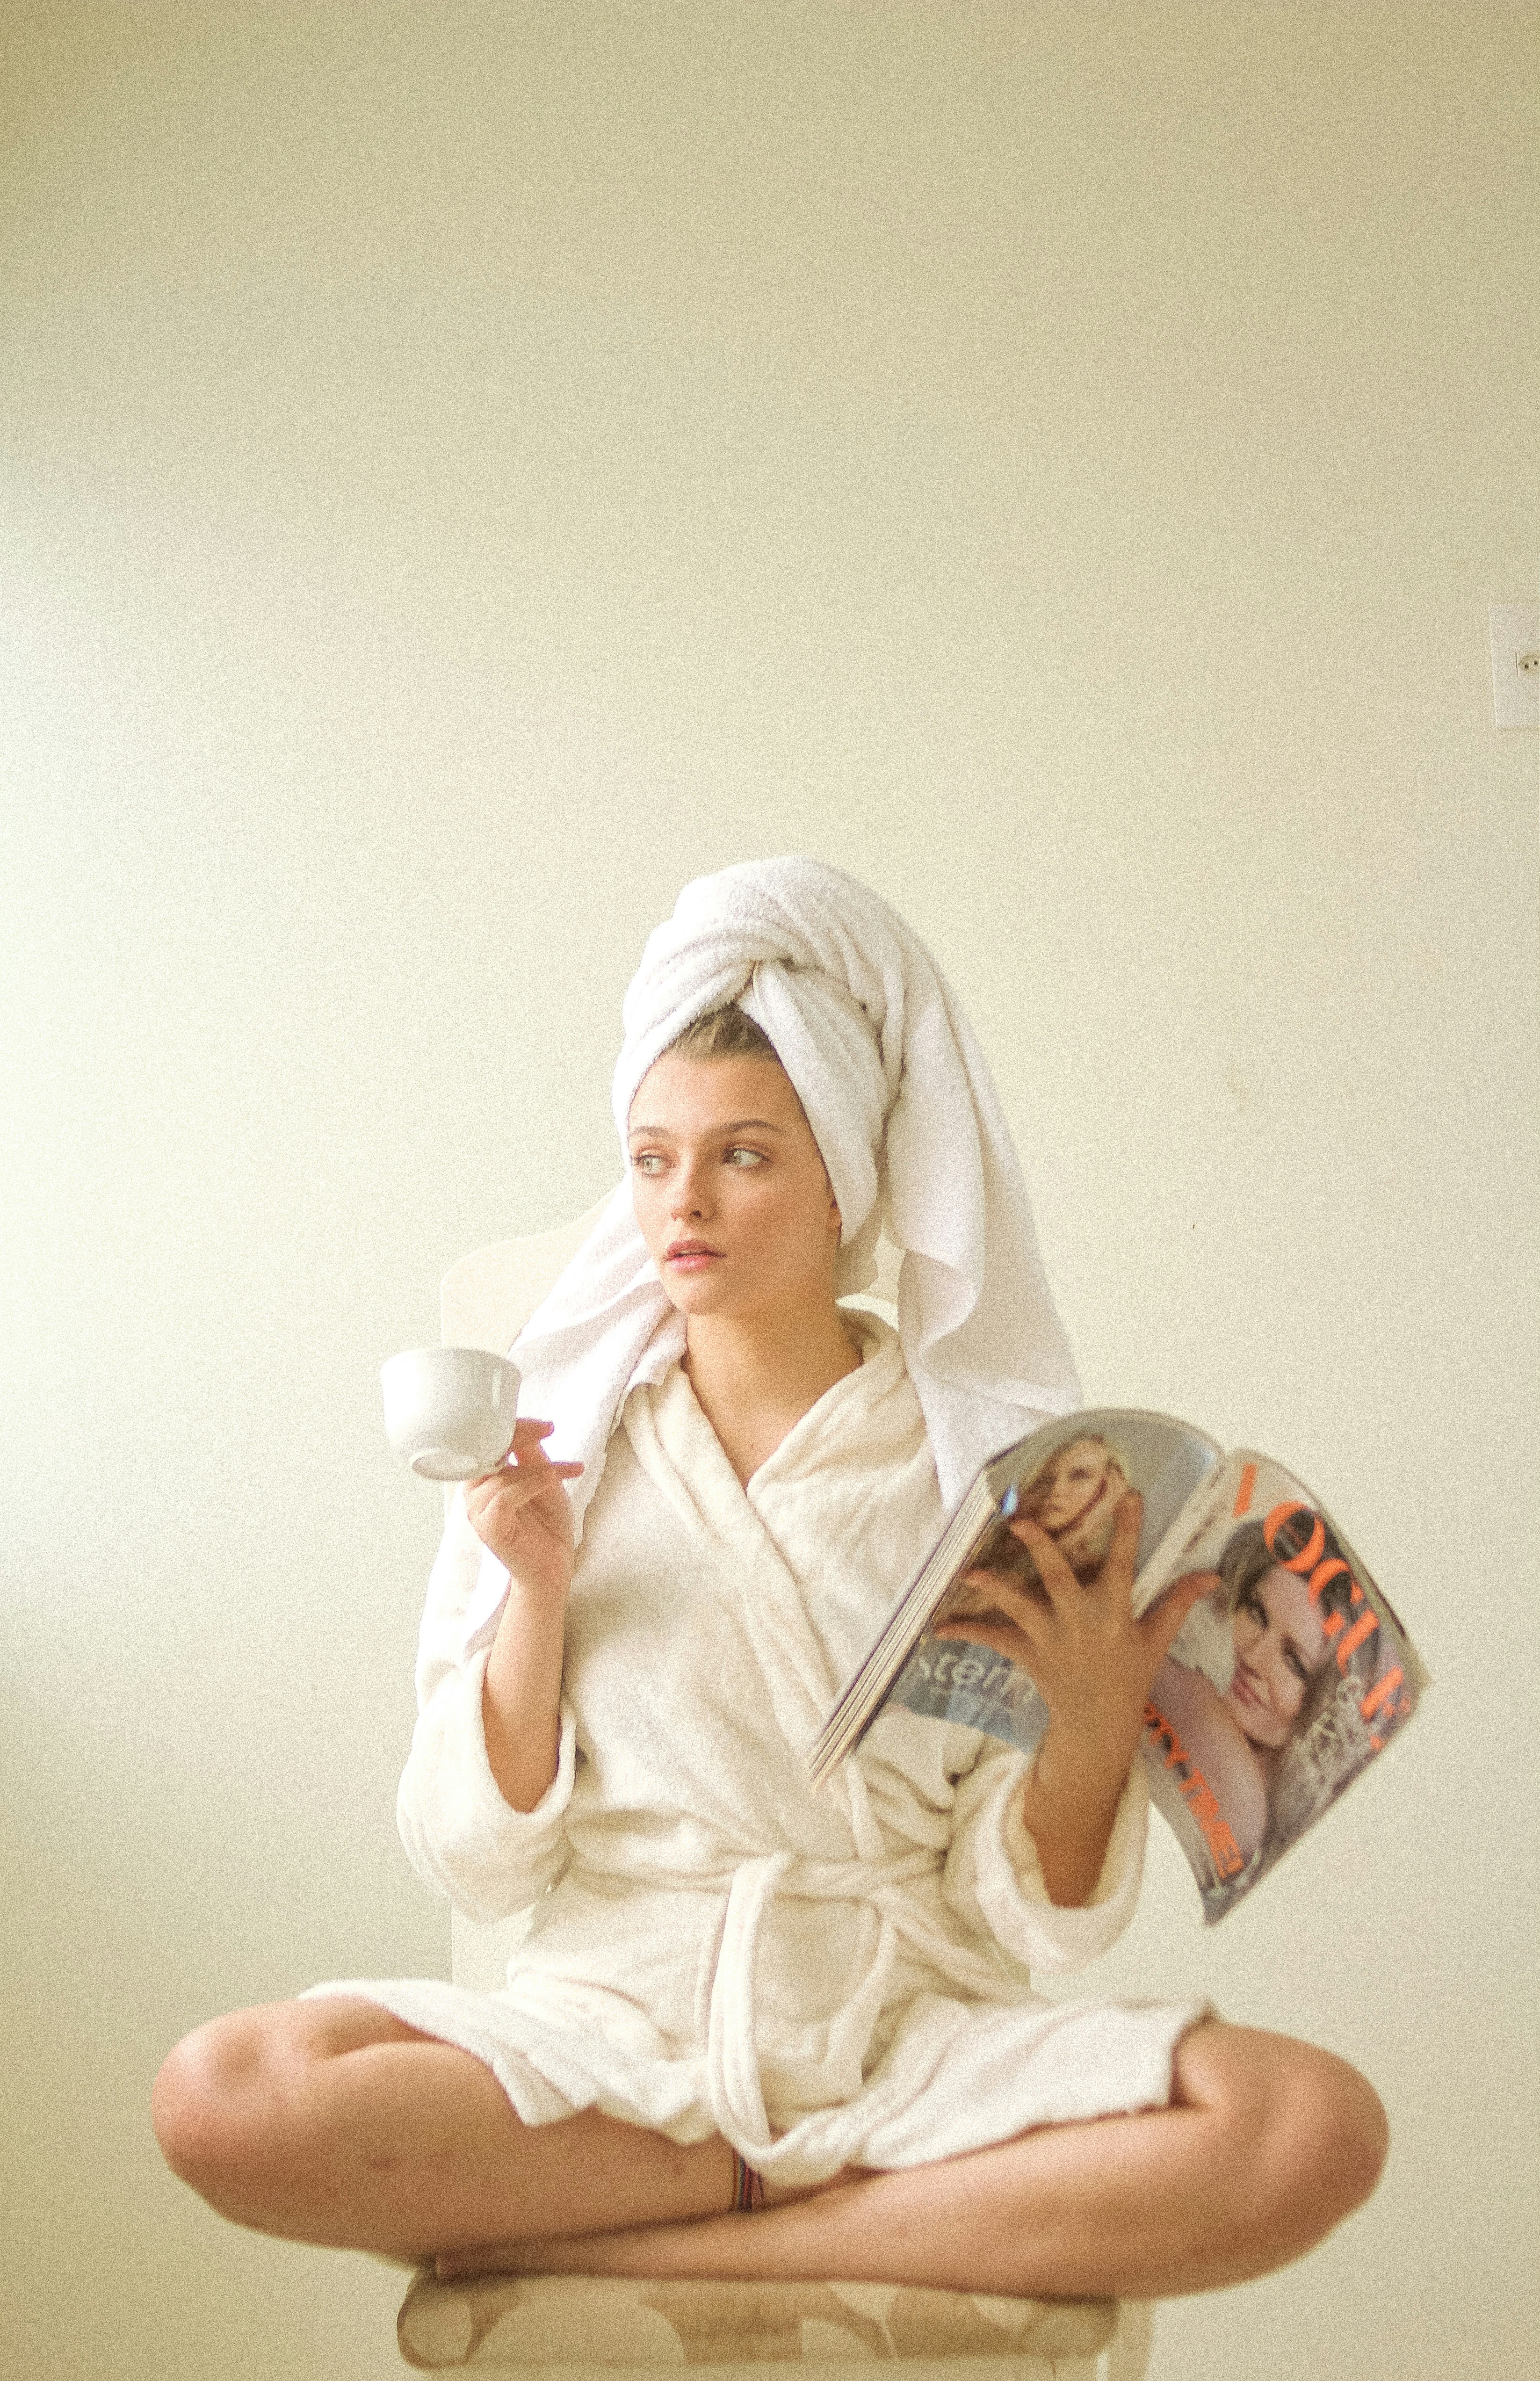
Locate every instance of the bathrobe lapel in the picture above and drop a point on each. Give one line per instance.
(683, 1456)
(776, 1600)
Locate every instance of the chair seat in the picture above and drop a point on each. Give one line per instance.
(536, 2323)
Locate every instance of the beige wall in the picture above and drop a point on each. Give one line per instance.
(467, 469)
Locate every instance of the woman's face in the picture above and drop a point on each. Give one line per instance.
(730, 1190)
(1279, 1645)
(1074, 1475)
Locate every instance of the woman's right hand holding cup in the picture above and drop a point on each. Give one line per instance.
(521, 1513)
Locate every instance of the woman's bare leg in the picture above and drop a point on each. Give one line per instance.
(1266, 2147)
(329, 2121)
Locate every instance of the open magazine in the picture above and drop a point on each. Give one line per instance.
(1288, 1675)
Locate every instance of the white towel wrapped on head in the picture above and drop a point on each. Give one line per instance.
(908, 1124)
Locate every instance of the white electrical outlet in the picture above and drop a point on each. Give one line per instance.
(1515, 664)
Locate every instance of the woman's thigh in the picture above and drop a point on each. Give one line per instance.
(331, 2120)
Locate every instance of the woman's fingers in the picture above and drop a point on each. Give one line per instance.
(527, 1455)
(1161, 1622)
(1052, 1570)
(529, 1436)
(508, 1492)
(1000, 1636)
(523, 1476)
(534, 1478)
(1123, 1553)
(1007, 1596)
(1118, 1568)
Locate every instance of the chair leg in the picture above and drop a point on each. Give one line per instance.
(1126, 2356)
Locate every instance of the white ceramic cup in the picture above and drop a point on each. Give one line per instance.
(450, 1411)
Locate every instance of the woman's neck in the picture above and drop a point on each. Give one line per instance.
(755, 1378)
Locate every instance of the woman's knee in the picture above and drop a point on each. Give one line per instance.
(1300, 2135)
(229, 2099)
(1338, 2131)
(212, 2099)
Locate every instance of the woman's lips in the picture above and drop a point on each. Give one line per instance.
(1244, 1690)
(691, 1256)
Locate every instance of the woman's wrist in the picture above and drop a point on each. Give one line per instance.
(1091, 1761)
(522, 1748)
(1069, 1806)
(521, 1695)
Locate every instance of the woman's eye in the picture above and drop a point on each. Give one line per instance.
(647, 1161)
(745, 1157)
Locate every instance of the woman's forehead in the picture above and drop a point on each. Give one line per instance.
(681, 1094)
(1290, 1605)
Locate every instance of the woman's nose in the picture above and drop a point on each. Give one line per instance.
(689, 1193)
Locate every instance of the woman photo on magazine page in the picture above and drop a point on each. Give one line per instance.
(1075, 1498)
(1256, 1698)
(1240, 1689)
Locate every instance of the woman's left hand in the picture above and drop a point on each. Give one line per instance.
(1093, 1662)
(1090, 1657)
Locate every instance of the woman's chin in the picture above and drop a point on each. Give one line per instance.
(1266, 1744)
(721, 1293)
(696, 1291)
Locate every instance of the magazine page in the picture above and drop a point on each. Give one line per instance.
(1283, 1682)
(1069, 1477)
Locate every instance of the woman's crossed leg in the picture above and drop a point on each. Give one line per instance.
(329, 2121)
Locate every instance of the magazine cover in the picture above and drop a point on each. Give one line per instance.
(1286, 1678)
(1283, 1683)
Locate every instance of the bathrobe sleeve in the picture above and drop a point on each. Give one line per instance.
(463, 1840)
(993, 1878)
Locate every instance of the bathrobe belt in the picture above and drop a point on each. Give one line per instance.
(886, 1884)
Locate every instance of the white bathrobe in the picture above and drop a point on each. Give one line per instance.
(829, 1978)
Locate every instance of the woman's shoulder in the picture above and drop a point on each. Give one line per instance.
(1212, 1742)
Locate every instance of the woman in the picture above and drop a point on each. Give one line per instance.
(1275, 1676)
(1075, 1498)
(734, 1990)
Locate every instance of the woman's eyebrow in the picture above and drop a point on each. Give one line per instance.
(739, 1124)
